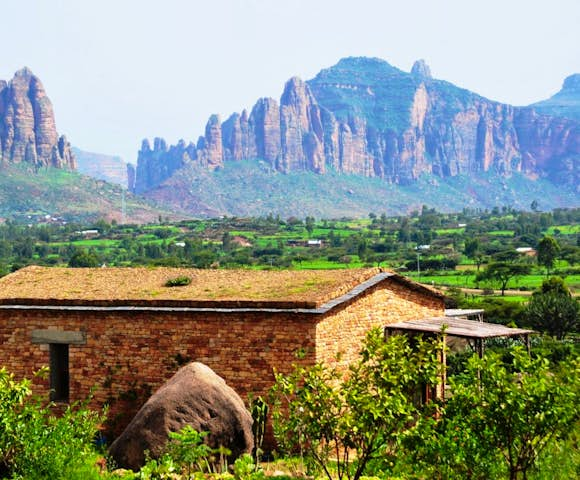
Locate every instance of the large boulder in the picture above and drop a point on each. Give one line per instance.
(194, 396)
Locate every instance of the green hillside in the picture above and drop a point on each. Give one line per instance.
(67, 194)
(252, 188)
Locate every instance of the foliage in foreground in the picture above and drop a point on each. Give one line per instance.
(508, 414)
(502, 416)
(36, 444)
(326, 416)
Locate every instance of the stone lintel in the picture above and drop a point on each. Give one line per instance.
(59, 336)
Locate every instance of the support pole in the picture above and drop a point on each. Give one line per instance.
(528, 344)
(480, 347)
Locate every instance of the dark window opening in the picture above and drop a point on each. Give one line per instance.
(59, 374)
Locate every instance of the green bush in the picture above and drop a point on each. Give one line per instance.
(503, 419)
(188, 450)
(36, 444)
(341, 425)
(178, 282)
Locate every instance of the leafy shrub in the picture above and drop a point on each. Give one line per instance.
(358, 419)
(187, 449)
(245, 469)
(156, 469)
(178, 281)
(35, 444)
(500, 419)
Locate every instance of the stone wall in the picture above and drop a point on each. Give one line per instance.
(342, 332)
(128, 355)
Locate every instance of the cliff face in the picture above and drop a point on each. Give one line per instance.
(565, 103)
(365, 117)
(27, 128)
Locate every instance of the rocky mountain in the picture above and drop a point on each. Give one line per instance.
(38, 177)
(27, 128)
(565, 103)
(367, 118)
(110, 168)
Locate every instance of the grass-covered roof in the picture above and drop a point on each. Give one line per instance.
(147, 287)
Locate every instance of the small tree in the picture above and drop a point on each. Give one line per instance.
(500, 273)
(325, 415)
(548, 250)
(309, 224)
(515, 410)
(83, 259)
(473, 250)
(500, 416)
(553, 309)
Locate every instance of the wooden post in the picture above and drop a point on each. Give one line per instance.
(443, 366)
(480, 347)
(528, 344)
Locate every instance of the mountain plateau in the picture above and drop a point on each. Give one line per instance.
(366, 118)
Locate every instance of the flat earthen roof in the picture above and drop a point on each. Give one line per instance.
(208, 288)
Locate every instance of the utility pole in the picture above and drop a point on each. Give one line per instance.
(418, 266)
(123, 207)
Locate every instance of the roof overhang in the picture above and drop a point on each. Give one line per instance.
(463, 312)
(457, 327)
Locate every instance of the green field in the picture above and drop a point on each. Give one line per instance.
(525, 283)
(564, 230)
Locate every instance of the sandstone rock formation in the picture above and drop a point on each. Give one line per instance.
(194, 396)
(27, 128)
(365, 117)
(565, 103)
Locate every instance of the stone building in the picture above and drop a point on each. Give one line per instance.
(123, 332)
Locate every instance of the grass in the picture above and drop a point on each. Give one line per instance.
(457, 279)
(324, 264)
(450, 231)
(307, 288)
(93, 242)
(563, 230)
(501, 233)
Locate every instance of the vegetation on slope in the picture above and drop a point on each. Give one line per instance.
(67, 194)
(252, 188)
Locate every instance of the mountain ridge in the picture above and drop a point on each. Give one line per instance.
(366, 117)
(38, 168)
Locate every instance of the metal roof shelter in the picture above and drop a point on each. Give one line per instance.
(473, 331)
(470, 313)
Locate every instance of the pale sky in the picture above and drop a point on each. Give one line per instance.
(118, 71)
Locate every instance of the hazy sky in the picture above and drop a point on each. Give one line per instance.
(118, 71)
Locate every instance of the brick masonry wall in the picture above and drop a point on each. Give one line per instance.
(128, 355)
(389, 302)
